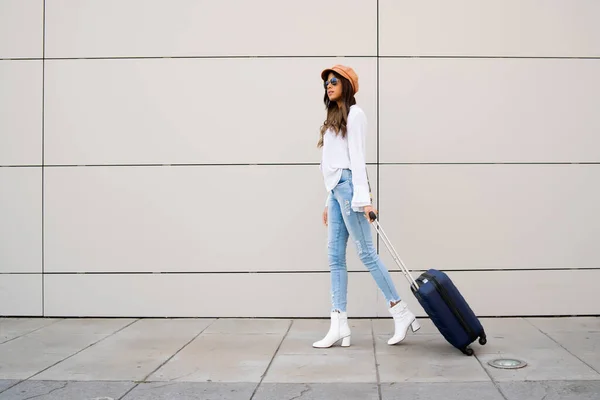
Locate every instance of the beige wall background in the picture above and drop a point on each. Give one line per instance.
(158, 158)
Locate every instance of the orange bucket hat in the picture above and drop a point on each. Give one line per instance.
(346, 72)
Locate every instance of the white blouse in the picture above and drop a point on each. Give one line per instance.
(347, 153)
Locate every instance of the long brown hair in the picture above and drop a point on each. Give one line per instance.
(337, 117)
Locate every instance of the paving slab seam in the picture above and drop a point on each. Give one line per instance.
(376, 362)
(72, 355)
(262, 377)
(137, 383)
(30, 332)
(496, 385)
(560, 344)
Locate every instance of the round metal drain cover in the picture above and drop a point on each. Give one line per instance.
(507, 363)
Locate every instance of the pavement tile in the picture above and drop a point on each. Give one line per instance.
(546, 359)
(11, 328)
(131, 354)
(551, 390)
(491, 326)
(317, 391)
(428, 344)
(583, 345)
(335, 367)
(426, 358)
(498, 326)
(84, 326)
(315, 329)
(567, 324)
(303, 345)
(579, 336)
(30, 354)
(440, 390)
(191, 391)
(221, 358)
(541, 365)
(64, 390)
(245, 326)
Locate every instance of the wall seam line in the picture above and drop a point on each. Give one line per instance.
(43, 145)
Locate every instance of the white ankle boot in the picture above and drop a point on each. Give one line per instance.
(338, 329)
(403, 318)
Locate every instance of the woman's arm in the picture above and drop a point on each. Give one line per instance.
(357, 133)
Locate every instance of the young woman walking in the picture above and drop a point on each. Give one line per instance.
(343, 142)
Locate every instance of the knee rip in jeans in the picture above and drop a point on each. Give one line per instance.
(347, 207)
(359, 248)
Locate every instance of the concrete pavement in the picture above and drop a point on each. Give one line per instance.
(259, 359)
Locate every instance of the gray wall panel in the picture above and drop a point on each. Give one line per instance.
(193, 110)
(511, 293)
(158, 28)
(492, 216)
(196, 219)
(21, 295)
(489, 110)
(21, 28)
(217, 295)
(529, 28)
(20, 112)
(20, 220)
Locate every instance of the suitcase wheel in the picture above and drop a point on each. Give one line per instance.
(482, 339)
(468, 351)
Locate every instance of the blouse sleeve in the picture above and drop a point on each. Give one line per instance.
(357, 132)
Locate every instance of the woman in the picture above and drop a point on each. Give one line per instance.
(343, 141)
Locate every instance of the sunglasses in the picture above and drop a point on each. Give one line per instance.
(334, 81)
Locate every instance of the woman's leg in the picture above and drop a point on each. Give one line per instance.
(359, 229)
(336, 245)
(336, 250)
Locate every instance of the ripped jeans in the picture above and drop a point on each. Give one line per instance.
(344, 222)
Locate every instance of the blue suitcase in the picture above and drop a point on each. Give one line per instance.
(442, 302)
(448, 310)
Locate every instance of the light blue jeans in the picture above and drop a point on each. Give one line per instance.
(344, 222)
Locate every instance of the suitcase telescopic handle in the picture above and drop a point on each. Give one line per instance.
(392, 250)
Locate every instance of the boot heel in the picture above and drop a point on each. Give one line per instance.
(415, 326)
(346, 341)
